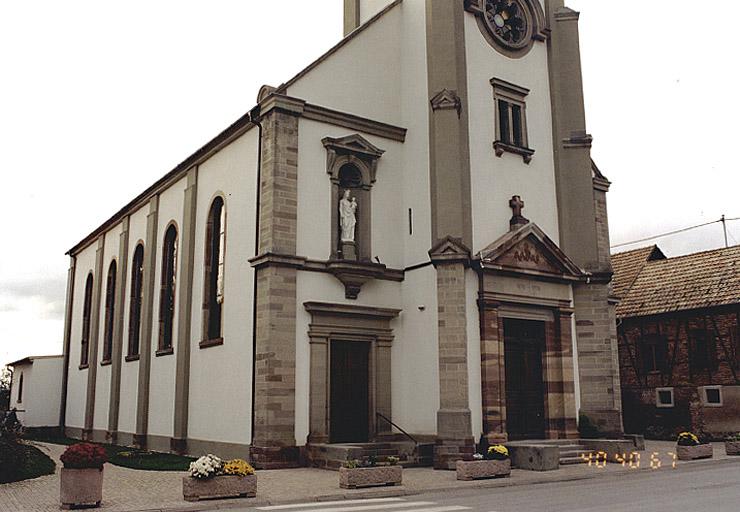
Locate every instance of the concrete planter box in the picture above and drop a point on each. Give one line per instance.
(732, 447)
(478, 469)
(370, 477)
(701, 451)
(224, 486)
(80, 488)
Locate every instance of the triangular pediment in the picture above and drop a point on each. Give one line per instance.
(529, 250)
(449, 249)
(355, 143)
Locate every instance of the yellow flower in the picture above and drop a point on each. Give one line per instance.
(498, 448)
(238, 467)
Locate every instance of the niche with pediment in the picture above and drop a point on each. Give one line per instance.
(352, 163)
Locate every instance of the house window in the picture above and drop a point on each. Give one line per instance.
(653, 351)
(86, 311)
(213, 297)
(167, 291)
(137, 288)
(702, 350)
(511, 120)
(20, 389)
(711, 396)
(664, 397)
(110, 305)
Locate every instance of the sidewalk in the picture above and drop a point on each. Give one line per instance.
(133, 490)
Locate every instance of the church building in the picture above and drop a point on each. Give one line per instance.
(407, 238)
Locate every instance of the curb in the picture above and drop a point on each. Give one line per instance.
(394, 492)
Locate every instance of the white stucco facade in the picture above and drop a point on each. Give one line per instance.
(38, 397)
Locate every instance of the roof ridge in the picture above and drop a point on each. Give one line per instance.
(693, 254)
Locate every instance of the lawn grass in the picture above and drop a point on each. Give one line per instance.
(25, 461)
(126, 457)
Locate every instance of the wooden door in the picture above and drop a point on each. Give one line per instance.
(524, 341)
(349, 412)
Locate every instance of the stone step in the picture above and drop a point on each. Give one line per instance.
(564, 454)
(567, 461)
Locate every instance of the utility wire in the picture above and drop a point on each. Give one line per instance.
(723, 219)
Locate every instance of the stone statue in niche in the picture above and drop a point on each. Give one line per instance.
(347, 222)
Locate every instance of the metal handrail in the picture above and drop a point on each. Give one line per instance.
(399, 428)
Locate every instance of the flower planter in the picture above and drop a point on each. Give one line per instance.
(224, 486)
(700, 451)
(80, 488)
(352, 478)
(732, 447)
(478, 469)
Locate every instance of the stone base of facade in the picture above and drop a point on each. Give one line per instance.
(178, 445)
(609, 422)
(275, 457)
(140, 441)
(448, 451)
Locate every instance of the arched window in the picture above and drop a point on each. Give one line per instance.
(86, 310)
(213, 296)
(20, 389)
(110, 306)
(134, 318)
(167, 291)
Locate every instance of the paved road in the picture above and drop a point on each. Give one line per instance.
(705, 488)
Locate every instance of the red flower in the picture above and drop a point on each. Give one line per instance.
(84, 456)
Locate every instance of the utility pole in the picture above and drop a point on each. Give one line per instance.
(724, 228)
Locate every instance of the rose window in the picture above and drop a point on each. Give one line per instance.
(507, 20)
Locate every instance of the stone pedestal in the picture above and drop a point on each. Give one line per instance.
(480, 469)
(218, 487)
(349, 251)
(353, 478)
(80, 488)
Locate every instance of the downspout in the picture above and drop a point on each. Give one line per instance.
(67, 340)
(254, 117)
(481, 332)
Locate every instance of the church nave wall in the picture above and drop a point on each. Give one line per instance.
(220, 393)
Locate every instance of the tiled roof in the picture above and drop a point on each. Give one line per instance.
(627, 266)
(701, 280)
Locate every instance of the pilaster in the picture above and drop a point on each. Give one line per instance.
(67, 339)
(273, 443)
(117, 352)
(454, 429)
(145, 346)
(178, 442)
(351, 15)
(572, 144)
(493, 384)
(94, 335)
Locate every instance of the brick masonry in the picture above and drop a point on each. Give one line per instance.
(682, 372)
(273, 443)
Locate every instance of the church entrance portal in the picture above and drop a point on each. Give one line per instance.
(524, 341)
(350, 405)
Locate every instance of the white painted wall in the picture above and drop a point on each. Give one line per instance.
(475, 392)
(369, 8)
(162, 370)
(130, 369)
(359, 77)
(77, 379)
(221, 377)
(494, 180)
(42, 391)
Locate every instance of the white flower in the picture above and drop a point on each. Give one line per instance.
(207, 466)
(478, 456)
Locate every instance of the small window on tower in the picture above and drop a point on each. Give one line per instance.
(511, 120)
(664, 397)
(711, 396)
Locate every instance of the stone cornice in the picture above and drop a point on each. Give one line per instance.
(449, 250)
(324, 266)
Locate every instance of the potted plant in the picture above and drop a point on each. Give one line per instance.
(81, 479)
(493, 463)
(732, 444)
(210, 477)
(689, 447)
(368, 473)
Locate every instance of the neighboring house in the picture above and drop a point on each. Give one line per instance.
(353, 252)
(35, 391)
(679, 347)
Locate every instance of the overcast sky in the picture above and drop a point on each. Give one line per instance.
(92, 89)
